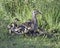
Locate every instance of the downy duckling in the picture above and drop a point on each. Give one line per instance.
(12, 26)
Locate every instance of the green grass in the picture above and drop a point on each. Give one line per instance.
(29, 42)
(22, 9)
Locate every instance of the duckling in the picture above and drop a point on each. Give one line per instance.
(27, 24)
(12, 26)
(21, 29)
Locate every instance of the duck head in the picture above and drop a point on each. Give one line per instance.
(35, 12)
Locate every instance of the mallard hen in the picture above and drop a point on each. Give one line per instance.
(31, 25)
